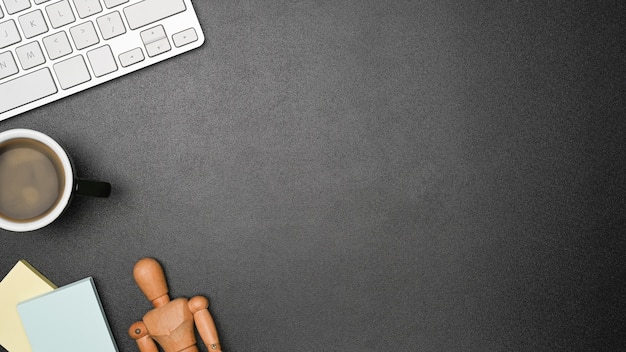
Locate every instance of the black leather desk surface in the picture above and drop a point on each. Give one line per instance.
(361, 176)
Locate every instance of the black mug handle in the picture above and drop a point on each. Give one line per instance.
(92, 188)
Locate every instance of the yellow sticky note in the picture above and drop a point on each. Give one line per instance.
(21, 283)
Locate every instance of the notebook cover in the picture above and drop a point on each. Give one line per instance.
(21, 283)
(69, 319)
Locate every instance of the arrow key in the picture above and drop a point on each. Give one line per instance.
(131, 57)
(185, 37)
(158, 47)
(155, 40)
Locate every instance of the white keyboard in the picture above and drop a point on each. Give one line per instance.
(50, 49)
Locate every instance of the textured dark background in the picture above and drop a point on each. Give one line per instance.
(361, 176)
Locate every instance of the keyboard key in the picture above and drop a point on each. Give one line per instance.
(111, 25)
(86, 8)
(33, 24)
(15, 6)
(153, 34)
(112, 3)
(40, 1)
(158, 47)
(30, 55)
(1, 14)
(72, 72)
(84, 35)
(185, 37)
(131, 57)
(60, 13)
(57, 45)
(150, 11)
(25, 89)
(155, 41)
(8, 67)
(102, 61)
(8, 34)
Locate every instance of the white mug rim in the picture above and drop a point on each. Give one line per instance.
(67, 189)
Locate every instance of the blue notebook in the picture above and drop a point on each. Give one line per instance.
(68, 319)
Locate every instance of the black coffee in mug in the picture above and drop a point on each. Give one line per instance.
(32, 179)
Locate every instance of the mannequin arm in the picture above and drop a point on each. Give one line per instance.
(139, 333)
(204, 323)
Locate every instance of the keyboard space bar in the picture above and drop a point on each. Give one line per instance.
(26, 89)
(149, 11)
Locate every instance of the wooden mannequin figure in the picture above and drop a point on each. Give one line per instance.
(170, 323)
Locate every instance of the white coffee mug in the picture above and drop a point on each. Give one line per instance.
(21, 146)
